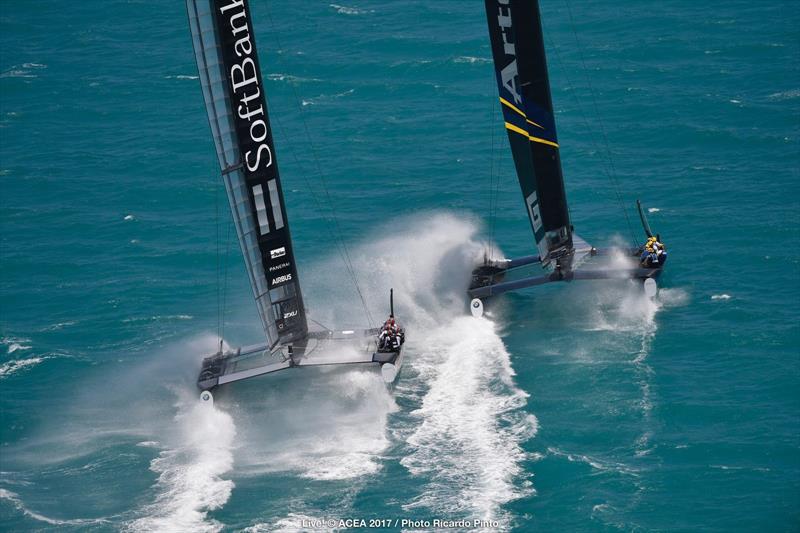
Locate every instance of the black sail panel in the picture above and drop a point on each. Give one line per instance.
(519, 57)
(233, 90)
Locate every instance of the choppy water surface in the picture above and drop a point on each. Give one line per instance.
(574, 407)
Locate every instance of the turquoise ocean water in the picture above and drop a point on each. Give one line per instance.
(578, 407)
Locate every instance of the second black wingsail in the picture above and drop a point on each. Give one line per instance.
(519, 58)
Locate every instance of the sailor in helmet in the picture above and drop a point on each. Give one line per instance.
(385, 338)
(649, 252)
(653, 253)
(660, 250)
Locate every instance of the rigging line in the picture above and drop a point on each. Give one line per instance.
(347, 260)
(314, 196)
(225, 275)
(317, 202)
(599, 120)
(337, 241)
(215, 190)
(491, 171)
(502, 150)
(583, 115)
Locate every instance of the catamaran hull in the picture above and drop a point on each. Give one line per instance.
(323, 348)
(391, 363)
(485, 285)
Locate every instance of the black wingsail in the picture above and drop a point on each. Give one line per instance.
(515, 31)
(234, 95)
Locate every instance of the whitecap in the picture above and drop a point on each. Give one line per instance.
(721, 297)
(324, 97)
(60, 325)
(14, 344)
(157, 317)
(12, 367)
(471, 59)
(653, 209)
(128, 217)
(16, 501)
(785, 95)
(595, 463)
(17, 73)
(277, 76)
(13, 347)
(345, 10)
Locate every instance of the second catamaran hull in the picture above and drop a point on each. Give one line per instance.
(490, 280)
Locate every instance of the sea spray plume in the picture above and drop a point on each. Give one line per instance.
(190, 482)
(133, 401)
(427, 258)
(322, 423)
(466, 436)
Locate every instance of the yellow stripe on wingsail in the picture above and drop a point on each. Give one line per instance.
(529, 136)
(515, 128)
(529, 121)
(515, 108)
(543, 141)
(512, 106)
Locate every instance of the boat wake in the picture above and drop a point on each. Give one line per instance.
(191, 470)
(470, 427)
(464, 437)
(461, 435)
(621, 324)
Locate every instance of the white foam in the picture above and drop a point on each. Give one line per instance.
(325, 97)
(597, 464)
(292, 523)
(468, 443)
(277, 76)
(12, 367)
(465, 441)
(343, 412)
(721, 296)
(785, 95)
(60, 325)
(13, 347)
(157, 318)
(190, 471)
(14, 344)
(128, 217)
(471, 59)
(653, 209)
(345, 10)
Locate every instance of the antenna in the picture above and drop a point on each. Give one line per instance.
(391, 303)
(643, 218)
